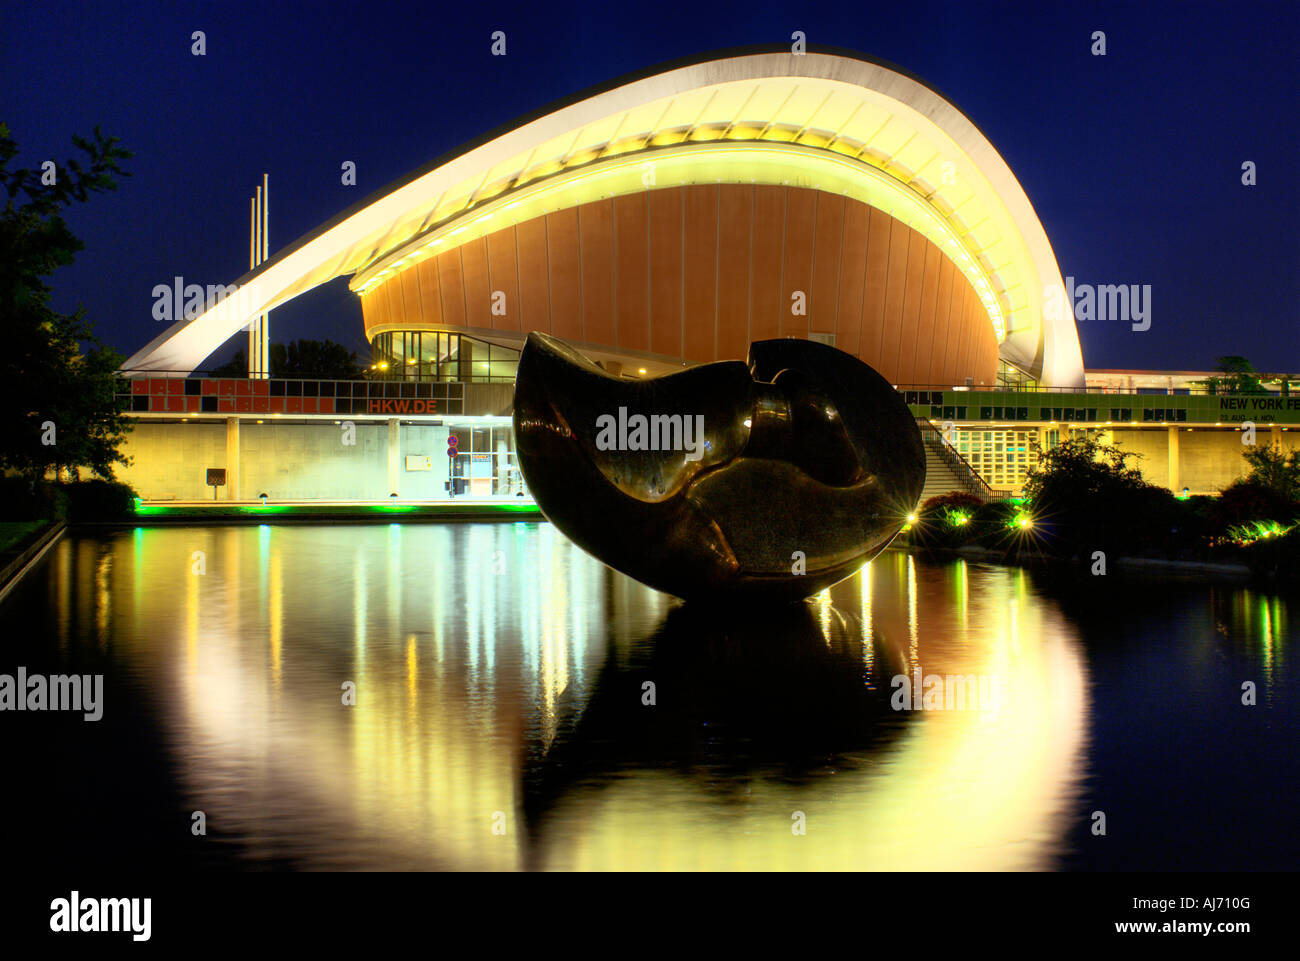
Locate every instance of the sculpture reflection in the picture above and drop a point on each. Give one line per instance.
(808, 465)
(722, 701)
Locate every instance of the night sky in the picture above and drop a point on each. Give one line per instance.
(1132, 160)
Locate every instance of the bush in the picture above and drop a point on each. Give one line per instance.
(99, 500)
(957, 500)
(28, 500)
(996, 527)
(1275, 558)
(1245, 501)
(945, 521)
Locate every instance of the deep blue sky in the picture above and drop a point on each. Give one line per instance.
(1133, 160)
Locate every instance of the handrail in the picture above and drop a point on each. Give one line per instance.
(975, 485)
(1103, 391)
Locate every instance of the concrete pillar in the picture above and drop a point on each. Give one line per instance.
(1275, 435)
(232, 458)
(1175, 482)
(394, 456)
(501, 461)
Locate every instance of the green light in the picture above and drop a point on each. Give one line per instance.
(200, 511)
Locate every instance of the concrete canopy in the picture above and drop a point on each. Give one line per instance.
(912, 150)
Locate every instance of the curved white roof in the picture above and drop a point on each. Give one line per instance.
(829, 105)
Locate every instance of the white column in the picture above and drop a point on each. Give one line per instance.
(394, 456)
(1175, 474)
(232, 458)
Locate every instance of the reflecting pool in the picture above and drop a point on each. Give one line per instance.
(486, 696)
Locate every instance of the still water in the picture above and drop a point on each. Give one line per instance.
(520, 706)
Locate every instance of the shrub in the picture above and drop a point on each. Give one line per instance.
(957, 500)
(996, 525)
(99, 500)
(28, 500)
(1245, 501)
(946, 521)
(1276, 557)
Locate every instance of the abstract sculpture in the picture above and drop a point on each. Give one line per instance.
(769, 480)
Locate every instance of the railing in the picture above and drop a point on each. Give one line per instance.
(965, 473)
(1189, 391)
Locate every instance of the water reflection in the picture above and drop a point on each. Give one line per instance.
(500, 716)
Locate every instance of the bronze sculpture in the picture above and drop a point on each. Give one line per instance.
(766, 480)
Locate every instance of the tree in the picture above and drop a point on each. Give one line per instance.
(1090, 496)
(301, 358)
(1240, 377)
(58, 403)
(1275, 469)
(1082, 468)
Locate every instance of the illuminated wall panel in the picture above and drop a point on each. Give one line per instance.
(695, 273)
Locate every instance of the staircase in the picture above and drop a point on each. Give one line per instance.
(947, 471)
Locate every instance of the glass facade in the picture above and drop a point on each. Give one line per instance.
(485, 463)
(1003, 458)
(436, 355)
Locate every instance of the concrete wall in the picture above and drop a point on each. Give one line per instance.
(1208, 460)
(170, 459)
(302, 461)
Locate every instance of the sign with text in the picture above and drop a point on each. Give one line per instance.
(405, 405)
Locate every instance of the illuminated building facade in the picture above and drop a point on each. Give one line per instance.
(673, 217)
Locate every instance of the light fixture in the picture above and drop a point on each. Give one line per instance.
(642, 370)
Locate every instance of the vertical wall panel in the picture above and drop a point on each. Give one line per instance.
(701, 271)
(503, 276)
(900, 242)
(372, 309)
(828, 235)
(478, 294)
(410, 297)
(853, 271)
(665, 272)
(962, 367)
(976, 321)
(566, 268)
(800, 224)
(925, 323)
(873, 298)
(430, 297)
(936, 374)
(956, 328)
(534, 276)
(916, 256)
(632, 275)
(596, 228)
(735, 220)
(452, 285)
(767, 302)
